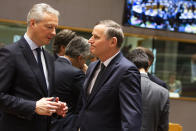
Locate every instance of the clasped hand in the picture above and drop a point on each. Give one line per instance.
(48, 106)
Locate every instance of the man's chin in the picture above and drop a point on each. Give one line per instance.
(47, 42)
(92, 52)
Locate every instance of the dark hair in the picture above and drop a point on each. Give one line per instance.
(78, 46)
(113, 29)
(149, 54)
(139, 58)
(62, 38)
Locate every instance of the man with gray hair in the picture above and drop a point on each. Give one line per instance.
(27, 75)
(69, 79)
(111, 97)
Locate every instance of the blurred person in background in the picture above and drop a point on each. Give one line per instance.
(61, 40)
(150, 62)
(174, 84)
(155, 99)
(69, 79)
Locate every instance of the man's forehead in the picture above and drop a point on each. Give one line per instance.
(99, 29)
(100, 26)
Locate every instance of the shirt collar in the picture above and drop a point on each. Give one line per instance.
(144, 73)
(107, 62)
(32, 44)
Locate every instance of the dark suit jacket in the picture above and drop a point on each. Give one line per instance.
(116, 104)
(157, 80)
(68, 84)
(21, 85)
(155, 102)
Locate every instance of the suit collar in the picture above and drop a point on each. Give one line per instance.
(144, 75)
(64, 59)
(32, 44)
(107, 62)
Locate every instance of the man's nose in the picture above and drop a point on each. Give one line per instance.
(54, 32)
(90, 40)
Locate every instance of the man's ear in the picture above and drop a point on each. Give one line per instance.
(32, 23)
(113, 42)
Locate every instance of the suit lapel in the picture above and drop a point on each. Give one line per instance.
(105, 76)
(89, 78)
(50, 70)
(32, 63)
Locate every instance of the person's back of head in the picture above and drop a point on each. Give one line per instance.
(139, 58)
(62, 39)
(149, 54)
(78, 46)
(78, 51)
(153, 96)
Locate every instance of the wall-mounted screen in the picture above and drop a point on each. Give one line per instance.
(172, 15)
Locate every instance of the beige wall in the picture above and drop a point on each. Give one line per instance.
(83, 14)
(183, 112)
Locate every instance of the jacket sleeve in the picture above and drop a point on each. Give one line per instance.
(78, 84)
(130, 100)
(8, 102)
(164, 116)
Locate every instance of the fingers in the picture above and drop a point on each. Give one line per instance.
(48, 106)
(47, 98)
(49, 113)
(63, 110)
(57, 99)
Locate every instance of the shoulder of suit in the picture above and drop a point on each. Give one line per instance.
(159, 88)
(154, 86)
(62, 65)
(12, 46)
(156, 79)
(124, 62)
